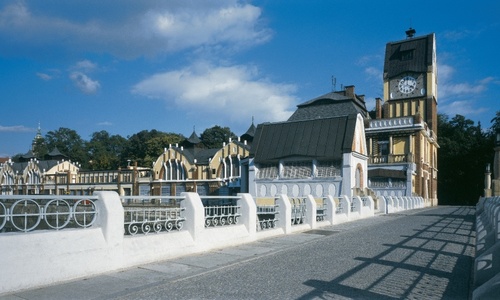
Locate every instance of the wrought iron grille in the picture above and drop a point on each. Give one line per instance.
(220, 211)
(298, 210)
(321, 210)
(266, 217)
(34, 212)
(146, 214)
(338, 206)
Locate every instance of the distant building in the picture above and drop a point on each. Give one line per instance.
(190, 167)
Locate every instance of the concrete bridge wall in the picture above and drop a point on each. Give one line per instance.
(487, 263)
(44, 257)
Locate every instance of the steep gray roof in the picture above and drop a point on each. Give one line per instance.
(56, 153)
(194, 139)
(422, 48)
(42, 164)
(321, 139)
(249, 135)
(334, 104)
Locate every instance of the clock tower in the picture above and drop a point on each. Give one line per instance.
(402, 139)
(410, 78)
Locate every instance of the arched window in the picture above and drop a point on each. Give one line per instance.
(173, 170)
(359, 177)
(231, 167)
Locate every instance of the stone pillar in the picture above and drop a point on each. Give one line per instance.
(248, 212)
(487, 182)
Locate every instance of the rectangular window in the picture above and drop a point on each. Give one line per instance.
(407, 55)
(327, 169)
(267, 172)
(297, 169)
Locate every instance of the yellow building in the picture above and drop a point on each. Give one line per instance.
(191, 167)
(402, 139)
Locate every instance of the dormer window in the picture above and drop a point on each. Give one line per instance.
(407, 55)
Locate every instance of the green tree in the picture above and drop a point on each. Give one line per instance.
(156, 145)
(145, 146)
(69, 143)
(214, 137)
(40, 148)
(465, 149)
(104, 151)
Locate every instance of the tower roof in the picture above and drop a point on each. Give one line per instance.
(415, 54)
(194, 139)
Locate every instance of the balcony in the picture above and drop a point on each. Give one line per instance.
(390, 159)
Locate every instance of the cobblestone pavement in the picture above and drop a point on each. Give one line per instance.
(420, 254)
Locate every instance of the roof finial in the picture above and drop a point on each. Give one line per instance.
(410, 33)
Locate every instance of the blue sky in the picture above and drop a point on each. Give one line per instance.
(126, 66)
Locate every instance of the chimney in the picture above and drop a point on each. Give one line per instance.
(378, 108)
(349, 91)
(361, 97)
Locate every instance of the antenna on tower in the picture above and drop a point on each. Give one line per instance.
(334, 83)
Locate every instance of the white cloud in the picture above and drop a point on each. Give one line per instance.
(233, 92)
(85, 65)
(84, 83)
(464, 108)
(373, 72)
(139, 30)
(44, 76)
(460, 97)
(105, 123)
(17, 128)
(448, 89)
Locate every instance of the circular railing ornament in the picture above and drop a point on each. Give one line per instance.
(84, 213)
(57, 213)
(26, 214)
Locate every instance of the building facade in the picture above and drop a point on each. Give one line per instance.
(402, 138)
(321, 150)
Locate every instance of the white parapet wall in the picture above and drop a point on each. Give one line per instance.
(487, 262)
(43, 257)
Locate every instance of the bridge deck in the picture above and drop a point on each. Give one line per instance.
(419, 254)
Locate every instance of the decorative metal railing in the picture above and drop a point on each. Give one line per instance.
(220, 211)
(35, 212)
(338, 205)
(321, 210)
(267, 217)
(146, 214)
(298, 210)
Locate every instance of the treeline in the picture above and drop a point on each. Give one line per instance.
(109, 152)
(465, 150)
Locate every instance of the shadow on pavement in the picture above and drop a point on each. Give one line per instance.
(433, 263)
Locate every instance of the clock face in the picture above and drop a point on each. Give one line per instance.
(407, 84)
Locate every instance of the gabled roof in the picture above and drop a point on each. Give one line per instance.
(334, 104)
(422, 56)
(321, 139)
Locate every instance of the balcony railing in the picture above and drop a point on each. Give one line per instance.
(390, 159)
